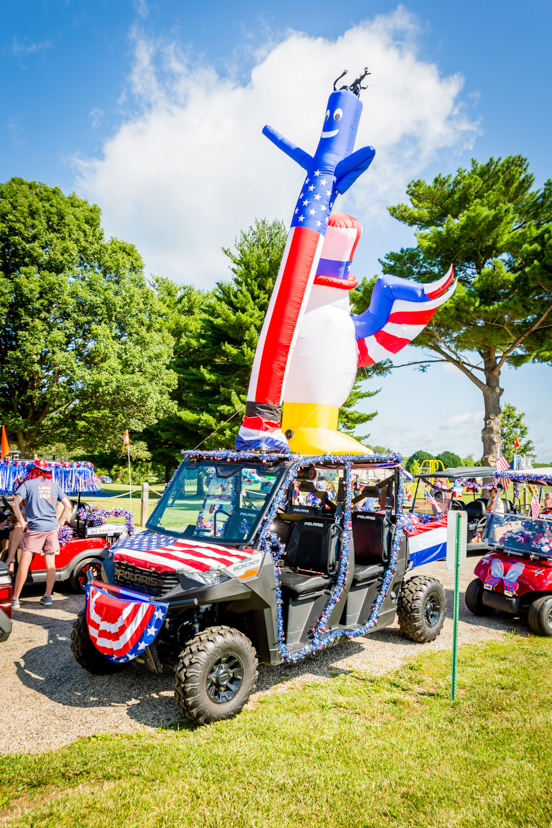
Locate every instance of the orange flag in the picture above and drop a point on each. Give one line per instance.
(5, 445)
(126, 438)
(517, 444)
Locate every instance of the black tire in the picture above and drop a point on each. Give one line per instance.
(79, 575)
(474, 599)
(215, 675)
(540, 616)
(85, 652)
(421, 608)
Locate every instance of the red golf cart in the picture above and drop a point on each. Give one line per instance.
(516, 575)
(87, 536)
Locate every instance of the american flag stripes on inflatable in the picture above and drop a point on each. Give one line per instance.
(340, 244)
(122, 624)
(399, 310)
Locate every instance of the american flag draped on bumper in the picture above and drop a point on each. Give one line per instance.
(122, 624)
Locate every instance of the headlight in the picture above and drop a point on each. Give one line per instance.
(212, 576)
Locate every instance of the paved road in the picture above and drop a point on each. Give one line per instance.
(48, 700)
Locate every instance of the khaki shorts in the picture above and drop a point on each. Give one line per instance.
(45, 542)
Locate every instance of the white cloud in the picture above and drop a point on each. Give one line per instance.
(29, 47)
(467, 421)
(185, 174)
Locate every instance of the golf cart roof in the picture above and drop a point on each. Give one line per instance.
(371, 461)
(537, 477)
(463, 472)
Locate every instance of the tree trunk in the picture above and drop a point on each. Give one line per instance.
(493, 416)
(23, 444)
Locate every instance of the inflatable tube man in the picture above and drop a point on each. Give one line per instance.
(309, 346)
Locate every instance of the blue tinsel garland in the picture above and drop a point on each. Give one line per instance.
(71, 477)
(322, 639)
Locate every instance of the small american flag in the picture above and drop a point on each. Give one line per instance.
(535, 506)
(430, 500)
(502, 464)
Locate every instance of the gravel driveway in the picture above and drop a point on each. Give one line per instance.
(49, 701)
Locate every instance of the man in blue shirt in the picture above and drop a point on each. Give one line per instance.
(40, 526)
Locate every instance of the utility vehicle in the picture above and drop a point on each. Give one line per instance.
(260, 556)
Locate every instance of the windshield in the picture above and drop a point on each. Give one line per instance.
(216, 500)
(522, 533)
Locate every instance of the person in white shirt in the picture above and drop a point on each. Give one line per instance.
(495, 505)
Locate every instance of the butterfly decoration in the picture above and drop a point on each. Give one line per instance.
(510, 577)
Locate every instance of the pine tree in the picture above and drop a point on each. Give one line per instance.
(349, 417)
(512, 428)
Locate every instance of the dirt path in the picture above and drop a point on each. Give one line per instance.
(49, 701)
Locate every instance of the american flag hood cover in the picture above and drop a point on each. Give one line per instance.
(165, 553)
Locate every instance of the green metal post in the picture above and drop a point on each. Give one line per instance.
(456, 603)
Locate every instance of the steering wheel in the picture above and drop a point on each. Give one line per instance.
(220, 512)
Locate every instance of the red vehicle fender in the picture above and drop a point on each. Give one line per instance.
(512, 575)
(68, 551)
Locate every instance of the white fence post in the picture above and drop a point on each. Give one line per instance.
(144, 504)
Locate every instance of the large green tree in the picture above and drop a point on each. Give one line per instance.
(495, 228)
(83, 341)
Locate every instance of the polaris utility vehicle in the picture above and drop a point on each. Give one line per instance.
(256, 556)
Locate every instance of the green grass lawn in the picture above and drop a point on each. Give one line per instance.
(354, 751)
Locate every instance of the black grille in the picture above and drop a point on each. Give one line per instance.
(151, 583)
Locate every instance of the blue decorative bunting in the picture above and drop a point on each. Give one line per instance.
(71, 477)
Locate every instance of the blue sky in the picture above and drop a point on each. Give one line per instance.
(124, 101)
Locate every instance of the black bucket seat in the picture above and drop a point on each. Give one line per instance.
(310, 556)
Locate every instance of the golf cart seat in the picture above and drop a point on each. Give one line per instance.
(307, 557)
(476, 509)
(77, 525)
(368, 541)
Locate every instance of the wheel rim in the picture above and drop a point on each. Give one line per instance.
(224, 678)
(432, 610)
(82, 578)
(549, 616)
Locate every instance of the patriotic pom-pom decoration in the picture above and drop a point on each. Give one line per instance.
(70, 477)
(65, 534)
